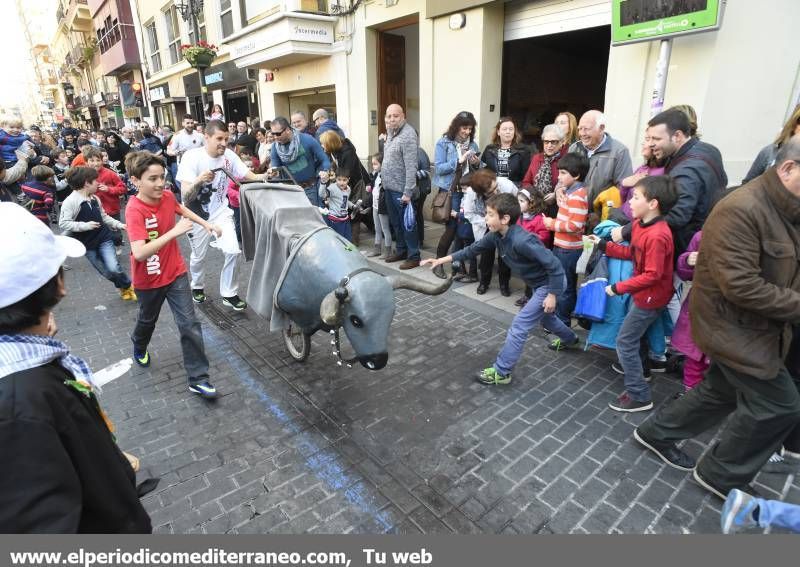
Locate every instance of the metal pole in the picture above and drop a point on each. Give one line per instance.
(662, 68)
(201, 78)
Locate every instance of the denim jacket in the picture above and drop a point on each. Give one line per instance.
(445, 160)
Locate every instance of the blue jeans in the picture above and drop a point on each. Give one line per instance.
(632, 350)
(179, 296)
(526, 320)
(344, 228)
(313, 194)
(104, 259)
(406, 241)
(566, 303)
(778, 514)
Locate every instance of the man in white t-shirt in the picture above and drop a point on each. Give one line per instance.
(183, 141)
(204, 188)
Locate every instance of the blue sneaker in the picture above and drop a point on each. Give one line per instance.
(142, 359)
(739, 512)
(204, 389)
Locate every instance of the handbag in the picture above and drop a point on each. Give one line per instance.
(441, 207)
(592, 298)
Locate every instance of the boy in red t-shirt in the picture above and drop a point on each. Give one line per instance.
(158, 269)
(652, 252)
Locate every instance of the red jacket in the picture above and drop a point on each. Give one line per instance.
(116, 189)
(535, 225)
(537, 162)
(652, 251)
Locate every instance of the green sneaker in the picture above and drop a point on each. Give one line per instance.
(559, 345)
(142, 359)
(198, 295)
(493, 377)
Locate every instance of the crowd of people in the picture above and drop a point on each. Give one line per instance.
(695, 275)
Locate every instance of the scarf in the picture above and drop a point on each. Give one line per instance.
(543, 180)
(288, 152)
(23, 352)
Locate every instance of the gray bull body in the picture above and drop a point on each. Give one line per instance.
(328, 284)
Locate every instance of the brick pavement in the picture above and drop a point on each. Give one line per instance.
(418, 447)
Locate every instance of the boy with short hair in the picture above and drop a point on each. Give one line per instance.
(337, 197)
(61, 166)
(569, 224)
(110, 188)
(83, 217)
(41, 190)
(526, 256)
(652, 252)
(159, 272)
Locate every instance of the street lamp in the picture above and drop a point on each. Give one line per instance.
(190, 10)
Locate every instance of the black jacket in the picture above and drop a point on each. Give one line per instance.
(347, 159)
(62, 470)
(700, 176)
(518, 161)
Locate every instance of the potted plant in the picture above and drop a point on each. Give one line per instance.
(199, 55)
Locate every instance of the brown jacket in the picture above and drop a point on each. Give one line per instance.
(746, 290)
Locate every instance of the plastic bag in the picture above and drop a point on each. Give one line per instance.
(409, 218)
(592, 296)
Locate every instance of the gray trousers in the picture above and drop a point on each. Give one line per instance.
(763, 413)
(632, 350)
(179, 296)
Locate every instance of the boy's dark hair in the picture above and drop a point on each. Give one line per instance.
(342, 172)
(136, 163)
(576, 164)
(244, 151)
(674, 120)
(27, 312)
(662, 188)
(57, 152)
(78, 177)
(505, 204)
(42, 173)
(90, 151)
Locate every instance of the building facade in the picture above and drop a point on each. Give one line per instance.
(529, 59)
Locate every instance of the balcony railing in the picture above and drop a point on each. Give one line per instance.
(114, 35)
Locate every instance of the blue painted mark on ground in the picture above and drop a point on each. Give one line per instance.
(324, 464)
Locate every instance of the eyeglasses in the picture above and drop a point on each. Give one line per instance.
(277, 133)
(551, 142)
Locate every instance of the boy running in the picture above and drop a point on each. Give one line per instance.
(526, 256)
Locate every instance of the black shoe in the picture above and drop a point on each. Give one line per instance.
(234, 302)
(617, 367)
(469, 279)
(521, 302)
(624, 403)
(666, 451)
(720, 492)
(395, 258)
(198, 295)
(204, 389)
(505, 291)
(482, 288)
(659, 366)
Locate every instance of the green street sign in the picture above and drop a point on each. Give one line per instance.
(645, 20)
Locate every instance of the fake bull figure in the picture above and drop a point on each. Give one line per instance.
(306, 278)
(329, 285)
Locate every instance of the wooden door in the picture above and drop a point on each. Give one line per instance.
(391, 74)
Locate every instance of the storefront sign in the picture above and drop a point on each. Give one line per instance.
(225, 75)
(159, 92)
(281, 31)
(212, 78)
(644, 20)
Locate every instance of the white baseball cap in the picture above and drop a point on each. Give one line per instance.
(30, 255)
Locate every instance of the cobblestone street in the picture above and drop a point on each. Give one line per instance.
(416, 447)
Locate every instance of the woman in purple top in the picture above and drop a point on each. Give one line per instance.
(651, 166)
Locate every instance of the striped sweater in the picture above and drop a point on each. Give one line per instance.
(571, 219)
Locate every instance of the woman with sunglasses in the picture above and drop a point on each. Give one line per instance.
(456, 155)
(542, 174)
(766, 157)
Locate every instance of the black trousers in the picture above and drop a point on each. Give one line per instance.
(487, 265)
(762, 414)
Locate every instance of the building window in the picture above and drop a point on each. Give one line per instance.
(201, 24)
(152, 43)
(226, 17)
(173, 34)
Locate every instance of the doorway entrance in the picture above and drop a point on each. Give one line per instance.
(398, 69)
(549, 74)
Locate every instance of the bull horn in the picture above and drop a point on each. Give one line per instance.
(330, 310)
(420, 286)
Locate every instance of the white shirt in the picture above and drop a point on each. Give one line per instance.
(197, 161)
(182, 142)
